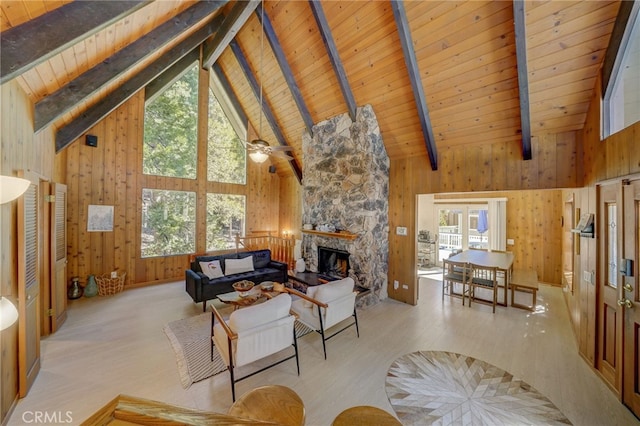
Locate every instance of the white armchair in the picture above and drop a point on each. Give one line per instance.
(253, 333)
(326, 305)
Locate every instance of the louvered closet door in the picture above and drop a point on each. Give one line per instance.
(28, 285)
(58, 256)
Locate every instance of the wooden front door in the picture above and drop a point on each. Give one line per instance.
(609, 325)
(631, 295)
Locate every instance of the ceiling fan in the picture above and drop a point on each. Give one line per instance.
(259, 149)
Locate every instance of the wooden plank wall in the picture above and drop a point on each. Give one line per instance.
(291, 210)
(612, 158)
(20, 149)
(111, 174)
(534, 222)
(495, 167)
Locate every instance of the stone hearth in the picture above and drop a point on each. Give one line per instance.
(346, 185)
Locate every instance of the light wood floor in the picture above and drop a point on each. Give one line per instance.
(115, 345)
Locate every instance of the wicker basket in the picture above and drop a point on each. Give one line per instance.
(108, 286)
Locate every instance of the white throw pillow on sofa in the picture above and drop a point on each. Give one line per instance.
(212, 269)
(237, 266)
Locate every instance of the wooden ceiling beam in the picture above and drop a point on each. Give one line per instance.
(334, 57)
(93, 80)
(97, 112)
(416, 82)
(232, 23)
(27, 45)
(265, 107)
(276, 47)
(171, 74)
(523, 79)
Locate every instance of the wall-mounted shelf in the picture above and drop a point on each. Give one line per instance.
(585, 226)
(341, 234)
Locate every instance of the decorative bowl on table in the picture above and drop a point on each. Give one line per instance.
(243, 287)
(266, 285)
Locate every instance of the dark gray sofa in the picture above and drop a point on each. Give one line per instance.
(201, 288)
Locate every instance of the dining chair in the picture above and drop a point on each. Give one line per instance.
(484, 278)
(456, 275)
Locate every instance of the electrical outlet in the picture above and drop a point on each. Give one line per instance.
(114, 274)
(401, 230)
(510, 241)
(396, 284)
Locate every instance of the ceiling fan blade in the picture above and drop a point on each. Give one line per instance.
(281, 148)
(280, 154)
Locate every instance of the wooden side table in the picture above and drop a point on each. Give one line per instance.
(365, 415)
(273, 403)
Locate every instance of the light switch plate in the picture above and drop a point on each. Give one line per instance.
(401, 230)
(586, 276)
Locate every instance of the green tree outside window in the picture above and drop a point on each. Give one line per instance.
(225, 219)
(226, 156)
(170, 129)
(168, 222)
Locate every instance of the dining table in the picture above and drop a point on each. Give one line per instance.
(502, 260)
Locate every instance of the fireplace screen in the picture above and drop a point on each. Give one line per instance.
(333, 263)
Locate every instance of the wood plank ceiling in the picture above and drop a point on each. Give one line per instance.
(465, 53)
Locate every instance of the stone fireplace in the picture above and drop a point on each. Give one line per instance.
(333, 263)
(346, 187)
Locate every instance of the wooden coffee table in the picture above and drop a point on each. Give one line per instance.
(256, 295)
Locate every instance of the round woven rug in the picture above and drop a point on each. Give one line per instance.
(434, 387)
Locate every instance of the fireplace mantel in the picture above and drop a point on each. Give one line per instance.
(342, 234)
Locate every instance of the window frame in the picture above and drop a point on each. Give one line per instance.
(212, 87)
(613, 69)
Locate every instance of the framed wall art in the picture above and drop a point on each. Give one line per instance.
(100, 218)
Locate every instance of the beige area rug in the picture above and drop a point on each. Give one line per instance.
(434, 387)
(191, 341)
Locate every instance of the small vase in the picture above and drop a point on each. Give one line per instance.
(91, 289)
(75, 290)
(300, 266)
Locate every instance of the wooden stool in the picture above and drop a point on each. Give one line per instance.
(524, 280)
(273, 403)
(365, 415)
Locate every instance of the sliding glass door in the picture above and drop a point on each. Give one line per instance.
(461, 227)
(450, 221)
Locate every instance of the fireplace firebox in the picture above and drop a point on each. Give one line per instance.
(333, 263)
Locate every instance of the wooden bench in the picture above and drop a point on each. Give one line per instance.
(526, 281)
